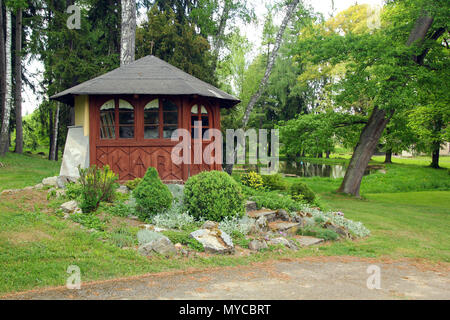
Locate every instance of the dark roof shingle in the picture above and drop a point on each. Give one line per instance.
(148, 75)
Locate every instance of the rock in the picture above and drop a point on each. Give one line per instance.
(308, 241)
(261, 224)
(270, 215)
(178, 246)
(38, 186)
(50, 181)
(211, 225)
(279, 240)
(133, 217)
(339, 230)
(162, 246)
(304, 214)
(70, 206)
(123, 189)
(299, 220)
(283, 215)
(9, 191)
(290, 228)
(257, 245)
(214, 241)
(250, 206)
(58, 192)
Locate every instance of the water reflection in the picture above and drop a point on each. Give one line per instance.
(307, 169)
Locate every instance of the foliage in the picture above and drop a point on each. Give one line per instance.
(213, 195)
(274, 182)
(132, 184)
(174, 218)
(152, 196)
(123, 237)
(274, 200)
(252, 180)
(119, 208)
(97, 185)
(89, 220)
(147, 236)
(177, 191)
(73, 190)
(232, 225)
(300, 191)
(318, 232)
(184, 237)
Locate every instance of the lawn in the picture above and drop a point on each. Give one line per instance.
(36, 247)
(19, 171)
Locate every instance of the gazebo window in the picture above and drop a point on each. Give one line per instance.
(200, 115)
(126, 120)
(160, 119)
(107, 120)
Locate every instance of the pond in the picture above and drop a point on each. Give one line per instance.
(308, 169)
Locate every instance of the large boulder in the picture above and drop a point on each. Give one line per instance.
(50, 181)
(214, 240)
(162, 246)
(70, 207)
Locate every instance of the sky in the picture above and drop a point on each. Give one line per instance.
(253, 32)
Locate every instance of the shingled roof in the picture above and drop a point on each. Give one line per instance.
(148, 75)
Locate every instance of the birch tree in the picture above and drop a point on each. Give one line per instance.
(128, 34)
(4, 134)
(290, 10)
(2, 65)
(18, 81)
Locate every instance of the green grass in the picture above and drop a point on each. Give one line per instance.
(37, 247)
(25, 170)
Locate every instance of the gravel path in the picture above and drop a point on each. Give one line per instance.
(313, 278)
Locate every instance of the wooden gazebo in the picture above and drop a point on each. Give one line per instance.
(128, 115)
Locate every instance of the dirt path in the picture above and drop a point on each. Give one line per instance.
(313, 278)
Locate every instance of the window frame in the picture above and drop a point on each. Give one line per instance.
(200, 116)
(117, 124)
(161, 124)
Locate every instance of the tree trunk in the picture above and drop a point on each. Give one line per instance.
(262, 86)
(328, 154)
(128, 36)
(2, 64)
(388, 157)
(54, 150)
(373, 130)
(363, 152)
(435, 156)
(18, 83)
(4, 134)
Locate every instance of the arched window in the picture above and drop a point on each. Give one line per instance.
(200, 119)
(107, 120)
(117, 120)
(160, 119)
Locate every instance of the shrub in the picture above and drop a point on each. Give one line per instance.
(252, 180)
(123, 237)
(185, 238)
(173, 218)
(73, 190)
(274, 182)
(274, 200)
(152, 196)
(300, 191)
(97, 185)
(177, 191)
(213, 195)
(318, 232)
(132, 184)
(240, 225)
(147, 236)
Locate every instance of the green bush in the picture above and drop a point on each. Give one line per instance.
(300, 191)
(213, 195)
(132, 184)
(318, 232)
(97, 185)
(152, 196)
(183, 237)
(252, 180)
(274, 200)
(73, 190)
(274, 182)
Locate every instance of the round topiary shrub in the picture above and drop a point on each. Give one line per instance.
(152, 196)
(213, 195)
(300, 191)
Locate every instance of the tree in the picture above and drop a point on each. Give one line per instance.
(18, 81)
(4, 134)
(128, 35)
(271, 61)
